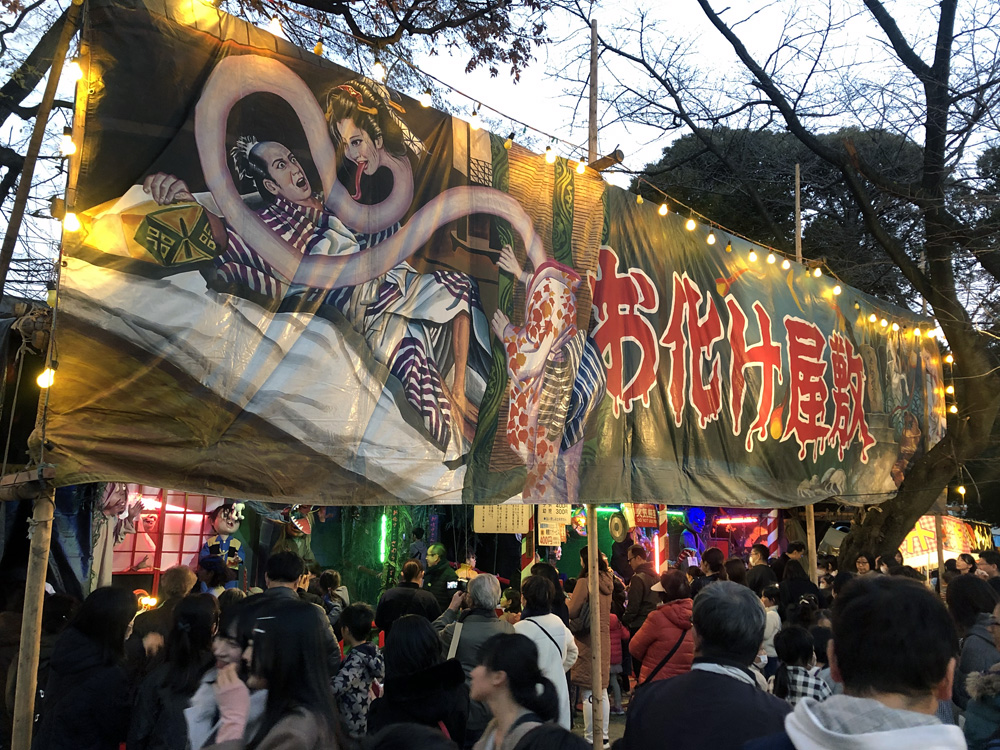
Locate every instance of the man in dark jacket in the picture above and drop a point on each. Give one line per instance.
(760, 574)
(794, 551)
(406, 599)
(438, 575)
(641, 598)
(718, 704)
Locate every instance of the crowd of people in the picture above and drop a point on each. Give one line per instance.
(727, 654)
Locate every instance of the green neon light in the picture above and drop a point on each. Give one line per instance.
(604, 511)
(381, 544)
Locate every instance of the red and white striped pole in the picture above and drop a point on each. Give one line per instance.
(662, 539)
(771, 524)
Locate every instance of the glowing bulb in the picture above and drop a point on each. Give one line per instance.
(961, 490)
(729, 247)
(70, 222)
(752, 257)
(690, 225)
(379, 72)
(425, 99)
(837, 290)
(663, 209)
(474, 121)
(318, 49)
(550, 155)
(950, 390)
(711, 238)
(74, 70)
(66, 145)
(949, 359)
(883, 322)
(581, 167)
(771, 259)
(786, 264)
(275, 26)
(872, 318)
(638, 199)
(953, 409)
(817, 272)
(46, 378)
(895, 326)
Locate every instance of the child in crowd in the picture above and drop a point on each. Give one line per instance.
(770, 598)
(619, 643)
(362, 666)
(797, 677)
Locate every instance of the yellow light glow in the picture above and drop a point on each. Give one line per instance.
(895, 326)
(318, 49)
(550, 155)
(917, 333)
(663, 209)
(638, 199)
(66, 145)
(752, 257)
(581, 167)
(837, 290)
(883, 322)
(949, 359)
(74, 71)
(953, 409)
(425, 100)
(690, 224)
(786, 264)
(872, 318)
(817, 272)
(961, 490)
(711, 238)
(772, 259)
(950, 390)
(475, 122)
(379, 72)
(46, 378)
(71, 223)
(729, 247)
(275, 26)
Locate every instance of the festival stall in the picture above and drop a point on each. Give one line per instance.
(920, 548)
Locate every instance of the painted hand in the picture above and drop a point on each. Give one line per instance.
(509, 263)
(166, 188)
(500, 323)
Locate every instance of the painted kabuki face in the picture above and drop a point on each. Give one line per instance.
(359, 147)
(285, 175)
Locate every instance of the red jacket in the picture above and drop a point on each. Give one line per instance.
(619, 633)
(658, 635)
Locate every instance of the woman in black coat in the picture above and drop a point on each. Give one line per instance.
(86, 704)
(794, 585)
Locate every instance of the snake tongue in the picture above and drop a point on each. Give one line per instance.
(357, 180)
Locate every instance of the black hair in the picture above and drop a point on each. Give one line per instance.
(715, 559)
(804, 611)
(637, 550)
(968, 596)
(675, 586)
(694, 571)
(551, 737)
(230, 598)
(357, 620)
(760, 549)
(867, 556)
(408, 736)
(538, 594)
(189, 642)
(104, 618)
(513, 597)
(991, 556)
(285, 567)
(736, 571)
(908, 571)
(794, 647)
(228, 507)
(840, 580)
(891, 635)
(548, 571)
(602, 563)
(821, 636)
(418, 533)
(285, 647)
(795, 547)
(57, 611)
(412, 646)
(517, 656)
(794, 572)
(411, 571)
(771, 592)
(329, 580)
(216, 568)
(360, 102)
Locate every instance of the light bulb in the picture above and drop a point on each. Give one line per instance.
(66, 145)
(509, 142)
(817, 272)
(729, 247)
(425, 98)
(953, 409)
(950, 390)
(883, 322)
(638, 199)
(474, 121)
(949, 359)
(275, 26)
(581, 167)
(961, 490)
(752, 257)
(690, 225)
(663, 210)
(895, 326)
(872, 318)
(917, 333)
(74, 70)
(70, 222)
(46, 378)
(550, 155)
(837, 290)
(711, 238)
(771, 259)
(378, 71)
(786, 264)
(318, 49)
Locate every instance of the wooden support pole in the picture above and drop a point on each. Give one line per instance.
(939, 543)
(31, 620)
(811, 542)
(594, 591)
(592, 125)
(35, 144)
(798, 218)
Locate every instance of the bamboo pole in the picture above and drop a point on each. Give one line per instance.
(811, 542)
(592, 125)
(798, 218)
(31, 620)
(594, 591)
(35, 144)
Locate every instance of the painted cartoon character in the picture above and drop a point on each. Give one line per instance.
(226, 520)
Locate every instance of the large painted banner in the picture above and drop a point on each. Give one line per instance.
(293, 283)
